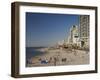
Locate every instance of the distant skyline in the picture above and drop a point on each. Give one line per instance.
(46, 29)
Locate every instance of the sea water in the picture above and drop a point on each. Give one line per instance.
(32, 52)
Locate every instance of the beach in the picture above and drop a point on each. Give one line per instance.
(57, 57)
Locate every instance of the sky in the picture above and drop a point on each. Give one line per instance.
(46, 29)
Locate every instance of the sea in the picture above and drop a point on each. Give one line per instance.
(32, 52)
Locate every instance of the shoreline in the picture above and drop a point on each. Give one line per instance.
(42, 49)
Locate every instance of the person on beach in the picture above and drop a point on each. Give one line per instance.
(55, 60)
(50, 60)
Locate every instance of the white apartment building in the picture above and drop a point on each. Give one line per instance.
(73, 37)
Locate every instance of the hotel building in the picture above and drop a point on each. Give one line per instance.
(84, 31)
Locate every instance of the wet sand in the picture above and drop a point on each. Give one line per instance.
(57, 57)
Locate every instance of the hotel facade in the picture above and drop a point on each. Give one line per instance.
(84, 31)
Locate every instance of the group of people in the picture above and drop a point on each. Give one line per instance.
(54, 60)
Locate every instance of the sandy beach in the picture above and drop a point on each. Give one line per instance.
(56, 57)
